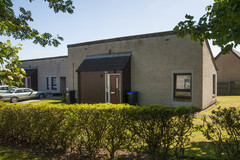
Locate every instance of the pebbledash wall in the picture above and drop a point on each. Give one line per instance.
(228, 73)
(228, 66)
(156, 60)
(51, 73)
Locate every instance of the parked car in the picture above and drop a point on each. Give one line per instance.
(15, 94)
(5, 88)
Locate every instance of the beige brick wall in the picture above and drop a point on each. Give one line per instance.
(228, 67)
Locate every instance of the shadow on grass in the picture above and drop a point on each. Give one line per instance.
(8, 153)
(201, 151)
(12, 151)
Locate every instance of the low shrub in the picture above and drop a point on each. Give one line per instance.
(116, 134)
(64, 98)
(159, 130)
(163, 130)
(223, 129)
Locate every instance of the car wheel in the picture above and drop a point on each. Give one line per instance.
(14, 100)
(41, 96)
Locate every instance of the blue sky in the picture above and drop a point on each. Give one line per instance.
(103, 19)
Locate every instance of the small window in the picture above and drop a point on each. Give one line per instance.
(214, 83)
(54, 83)
(182, 86)
(47, 82)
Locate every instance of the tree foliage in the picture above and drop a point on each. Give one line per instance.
(221, 24)
(18, 28)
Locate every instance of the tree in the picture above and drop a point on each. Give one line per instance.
(221, 24)
(18, 28)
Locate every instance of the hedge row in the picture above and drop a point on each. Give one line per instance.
(223, 130)
(160, 131)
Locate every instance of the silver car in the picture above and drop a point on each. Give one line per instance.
(15, 94)
(5, 88)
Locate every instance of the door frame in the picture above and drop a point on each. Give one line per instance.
(108, 89)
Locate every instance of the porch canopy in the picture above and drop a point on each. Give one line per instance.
(110, 62)
(30, 71)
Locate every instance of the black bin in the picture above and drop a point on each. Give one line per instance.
(70, 97)
(132, 98)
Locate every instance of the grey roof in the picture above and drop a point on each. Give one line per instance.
(236, 53)
(104, 62)
(39, 59)
(124, 38)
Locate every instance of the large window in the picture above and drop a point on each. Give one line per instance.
(183, 86)
(51, 83)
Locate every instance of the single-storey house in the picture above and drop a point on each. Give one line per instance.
(161, 67)
(228, 66)
(46, 74)
(228, 73)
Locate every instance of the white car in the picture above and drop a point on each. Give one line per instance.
(15, 94)
(5, 88)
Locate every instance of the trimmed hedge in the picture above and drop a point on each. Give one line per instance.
(160, 131)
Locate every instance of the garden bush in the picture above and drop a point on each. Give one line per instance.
(161, 131)
(223, 129)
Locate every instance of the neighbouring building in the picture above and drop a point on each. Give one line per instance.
(161, 67)
(228, 73)
(46, 74)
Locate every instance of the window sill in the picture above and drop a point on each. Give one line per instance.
(182, 100)
(179, 103)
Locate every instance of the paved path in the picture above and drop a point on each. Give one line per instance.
(202, 115)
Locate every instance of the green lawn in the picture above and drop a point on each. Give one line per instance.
(48, 101)
(223, 101)
(200, 147)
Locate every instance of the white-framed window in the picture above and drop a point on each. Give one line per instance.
(51, 83)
